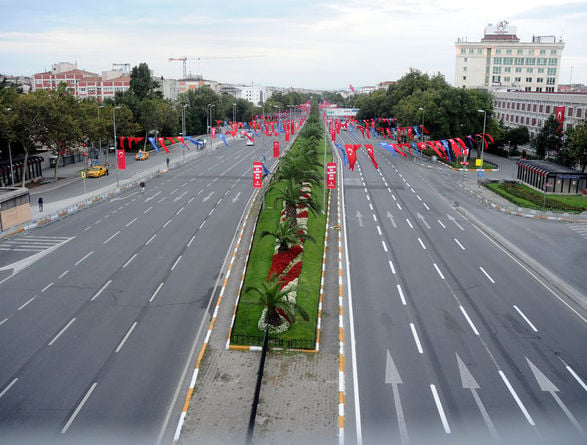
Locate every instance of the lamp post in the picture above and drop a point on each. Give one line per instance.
(10, 157)
(100, 130)
(233, 113)
(210, 106)
(484, 121)
(422, 110)
(114, 128)
(184, 106)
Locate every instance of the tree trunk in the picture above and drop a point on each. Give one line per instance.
(272, 317)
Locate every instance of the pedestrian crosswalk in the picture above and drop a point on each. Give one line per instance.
(580, 228)
(32, 243)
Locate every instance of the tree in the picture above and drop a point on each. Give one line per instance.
(577, 144)
(274, 298)
(516, 136)
(142, 84)
(288, 234)
(548, 139)
(152, 114)
(290, 194)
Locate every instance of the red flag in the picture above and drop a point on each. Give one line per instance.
(351, 154)
(122, 138)
(162, 142)
(369, 149)
(121, 159)
(353, 90)
(559, 113)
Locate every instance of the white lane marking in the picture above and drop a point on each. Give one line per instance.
(179, 211)
(5, 320)
(211, 211)
(79, 408)
(129, 260)
(97, 222)
(110, 239)
(87, 255)
(62, 331)
(119, 347)
(167, 223)
(101, 290)
(516, 398)
(401, 295)
(191, 199)
(26, 304)
(487, 275)
(422, 244)
(192, 240)
(460, 245)
(416, 339)
(409, 223)
(526, 319)
(469, 321)
(418, 196)
(131, 222)
(47, 287)
(202, 225)
(393, 196)
(438, 271)
(87, 228)
(384, 246)
(146, 211)
(5, 390)
(379, 230)
(63, 274)
(155, 293)
(371, 206)
(440, 222)
(368, 199)
(391, 267)
(425, 205)
(374, 218)
(398, 206)
(440, 409)
(176, 261)
(150, 239)
(413, 191)
(161, 200)
(576, 377)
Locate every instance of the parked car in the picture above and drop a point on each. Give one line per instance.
(96, 171)
(250, 142)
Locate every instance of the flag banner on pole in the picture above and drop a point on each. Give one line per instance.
(121, 159)
(559, 113)
(345, 160)
(162, 142)
(221, 136)
(369, 149)
(152, 141)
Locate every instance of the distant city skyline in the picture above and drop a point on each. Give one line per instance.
(303, 44)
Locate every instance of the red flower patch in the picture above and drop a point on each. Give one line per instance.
(303, 214)
(282, 259)
(293, 273)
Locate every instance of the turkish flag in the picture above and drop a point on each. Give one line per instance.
(559, 114)
(121, 159)
(369, 149)
(351, 154)
(162, 142)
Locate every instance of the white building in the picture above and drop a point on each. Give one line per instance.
(500, 60)
(531, 109)
(255, 94)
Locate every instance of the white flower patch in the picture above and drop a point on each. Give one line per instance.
(262, 325)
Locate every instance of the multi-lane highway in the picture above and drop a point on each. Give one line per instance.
(99, 313)
(456, 341)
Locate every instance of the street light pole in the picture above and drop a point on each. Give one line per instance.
(183, 126)
(10, 158)
(233, 113)
(115, 145)
(483, 135)
(99, 129)
(422, 110)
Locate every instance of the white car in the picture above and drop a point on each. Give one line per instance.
(250, 141)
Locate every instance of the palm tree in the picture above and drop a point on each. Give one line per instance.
(292, 197)
(288, 235)
(274, 298)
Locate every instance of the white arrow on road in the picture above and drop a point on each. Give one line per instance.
(547, 386)
(208, 197)
(359, 217)
(452, 218)
(390, 216)
(469, 382)
(421, 217)
(235, 199)
(393, 378)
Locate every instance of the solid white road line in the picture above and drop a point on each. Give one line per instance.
(425, 205)
(516, 398)
(391, 267)
(26, 304)
(129, 260)
(409, 223)
(119, 347)
(460, 245)
(438, 271)
(146, 211)
(63, 274)
(87, 255)
(416, 339)
(155, 293)
(401, 295)
(47, 287)
(440, 409)
(191, 240)
(176, 261)
(487, 275)
(61, 331)
(150, 239)
(129, 223)
(440, 222)
(422, 244)
(5, 390)
(79, 408)
(526, 319)
(167, 223)
(110, 239)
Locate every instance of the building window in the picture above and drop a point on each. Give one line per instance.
(518, 70)
(498, 51)
(508, 51)
(507, 69)
(523, 107)
(508, 60)
(497, 60)
(530, 61)
(464, 68)
(518, 106)
(552, 61)
(480, 51)
(540, 108)
(534, 108)
(520, 51)
(547, 110)
(539, 79)
(530, 51)
(579, 112)
(497, 70)
(466, 59)
(570, 112)
(519, 60)
(550, 81)
(541, 61)
(529, 70)
(506, 79)
(517, 79)
(538, 89)
(527, 120)
(542, 51)
(464, 77)
(471, 50)
(528, 89)
(551, 71)
(540, 70)
(463, 50)
(553, 51)
(495, 79)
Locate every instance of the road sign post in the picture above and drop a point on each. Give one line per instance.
(257, 174)
(331, 175)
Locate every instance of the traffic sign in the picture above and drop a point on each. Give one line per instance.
(331, 175)
(257, 174)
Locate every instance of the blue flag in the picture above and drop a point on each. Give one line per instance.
(154, 144)
(345, 160)
(223, 139)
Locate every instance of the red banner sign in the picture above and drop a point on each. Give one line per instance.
(257, 174)
(331, 175)
(213, 133)
(121, 159)
(275, 149)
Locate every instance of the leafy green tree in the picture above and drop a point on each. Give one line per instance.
(152, 116)
(289, 193)
(287, 235)
(516, 136)
(275, 300)
(142, 84)
(577, 144)
(548, 139)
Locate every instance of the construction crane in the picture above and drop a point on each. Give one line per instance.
(185, 59)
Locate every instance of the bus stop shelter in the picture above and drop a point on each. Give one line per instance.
(551, 178)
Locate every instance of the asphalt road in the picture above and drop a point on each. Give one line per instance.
(456, 341)
(99, 312)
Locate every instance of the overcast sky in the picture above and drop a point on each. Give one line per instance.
(302, 43)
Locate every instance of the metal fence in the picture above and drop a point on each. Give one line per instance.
(285, 343)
